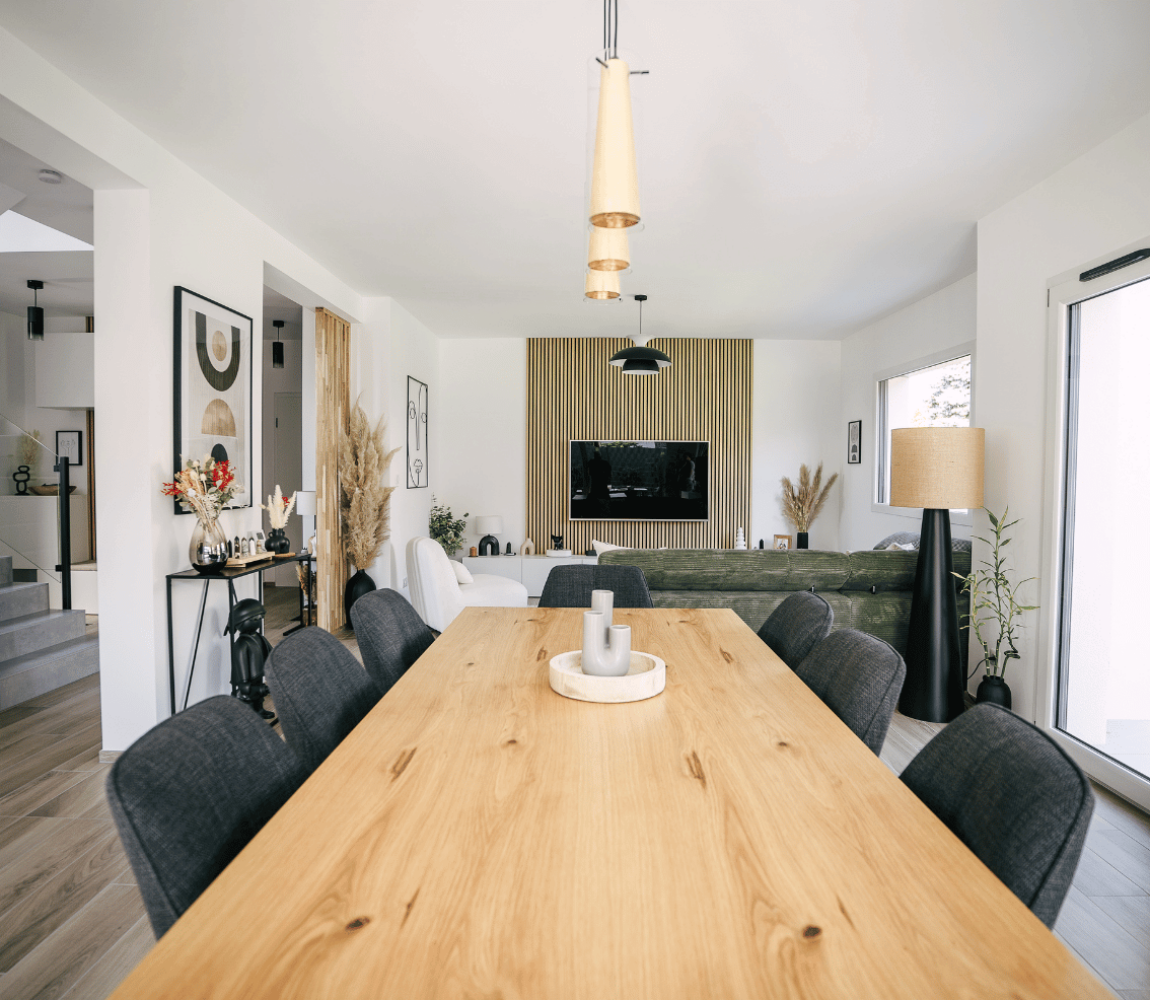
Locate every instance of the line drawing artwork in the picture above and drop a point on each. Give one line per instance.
(417, 449)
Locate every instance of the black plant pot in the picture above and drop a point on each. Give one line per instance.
(995, 690)
(278, 542)
(357, 586)
(801, 539)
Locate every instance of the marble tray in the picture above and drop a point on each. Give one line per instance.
(646, 678)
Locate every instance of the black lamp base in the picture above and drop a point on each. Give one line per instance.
(935, 673)
(489, 546)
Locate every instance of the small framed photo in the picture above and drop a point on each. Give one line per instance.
(854, 442)
(781, 542)
(69, 444)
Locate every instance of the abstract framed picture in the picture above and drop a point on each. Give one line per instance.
(854, 442)
(212, 362)
(70, 444)
(416, 434)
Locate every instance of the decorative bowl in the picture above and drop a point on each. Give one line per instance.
(646, 678)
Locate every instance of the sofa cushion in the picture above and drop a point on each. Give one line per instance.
(876, 571)
(736, 570)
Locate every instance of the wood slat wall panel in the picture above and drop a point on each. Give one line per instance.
(574, 394)
(333, 412)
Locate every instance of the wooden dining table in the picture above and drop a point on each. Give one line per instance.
(479, 836)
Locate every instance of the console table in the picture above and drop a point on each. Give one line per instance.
(531, 571)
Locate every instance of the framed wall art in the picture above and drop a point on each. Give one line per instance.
(854, 442)
(416, 434)
(212, 362)
(781, 542)
(70, 444)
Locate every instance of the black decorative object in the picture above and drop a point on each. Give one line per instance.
(994, 690)
(212, 368)
(278, 345)
(249, 652)
(20, 477)
(278, 541)
(359, 584)
(801, 540)
(35, 313)
(489, 546)
(762, 544)
(416, 434)
(556, 541)
(509, 552)
(854, 442)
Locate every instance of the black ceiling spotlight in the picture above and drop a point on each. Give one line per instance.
(35, 312)
(640, 359)
(278, 347)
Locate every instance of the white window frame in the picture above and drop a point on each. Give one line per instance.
(1064, 291)
(962, 517)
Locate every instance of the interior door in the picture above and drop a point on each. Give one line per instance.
(288, 452)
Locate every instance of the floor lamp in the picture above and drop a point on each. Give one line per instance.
(937, 469)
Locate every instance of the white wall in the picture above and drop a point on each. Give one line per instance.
(1083, 212)
(795, 420)
(936, 323)
(285, 379)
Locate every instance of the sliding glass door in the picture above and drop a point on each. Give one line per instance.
(1102, 696)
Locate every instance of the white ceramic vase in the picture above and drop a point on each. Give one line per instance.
(606, 652)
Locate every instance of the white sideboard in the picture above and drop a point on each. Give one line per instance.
(531, 571)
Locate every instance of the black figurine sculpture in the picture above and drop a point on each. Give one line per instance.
(249, 652)
(509, 552)
(556, 541)
(20, 477)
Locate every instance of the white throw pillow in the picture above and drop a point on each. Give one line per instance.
(901, 547)
(462, 573)
(601, 547)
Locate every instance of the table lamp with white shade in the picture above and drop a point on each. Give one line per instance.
(305, 507)
(489, 526)
(938, 469)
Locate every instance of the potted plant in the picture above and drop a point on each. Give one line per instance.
(802, 505)
(445, 528)
(994, 602)
(364, 501)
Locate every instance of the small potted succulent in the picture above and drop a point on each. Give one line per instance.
(994, 610)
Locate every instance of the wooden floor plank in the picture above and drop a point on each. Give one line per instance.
(20, 835)
(1121, 960)
(68, 694)
(1097, 877)
(82, 798)
(53, 968)
(39, 865)
(1126, 854)
(1132, 913)
(59, 721)
(84, 762)
(39, 790)
(103, 977)
(16, 713)
(63, 749)
(1122, 815)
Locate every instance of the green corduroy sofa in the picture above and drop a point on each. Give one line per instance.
(869, 590)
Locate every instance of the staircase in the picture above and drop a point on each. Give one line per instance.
(40, 649)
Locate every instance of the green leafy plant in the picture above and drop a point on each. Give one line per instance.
(994, 600)
(445, 528)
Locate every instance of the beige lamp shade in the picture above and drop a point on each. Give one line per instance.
(609, 250)
(602, 285)
(936, 468)
(614, 178)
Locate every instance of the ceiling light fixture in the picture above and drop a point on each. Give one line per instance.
(609, 250)
(602, 285)
(614, 178)
(50, 176)
(640, 359)
(35, 312)
(278, 347)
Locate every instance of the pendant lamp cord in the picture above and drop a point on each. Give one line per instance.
(611, 28)
(640, 319)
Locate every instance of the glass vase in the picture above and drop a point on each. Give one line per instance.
(208, 550)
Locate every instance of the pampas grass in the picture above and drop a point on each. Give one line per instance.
(365, 502)
(801, 506)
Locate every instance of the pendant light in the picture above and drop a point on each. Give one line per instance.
(602, 285)
(35, 312)
(278, 347)
(614, 177)
(640, 359)
(609, 250)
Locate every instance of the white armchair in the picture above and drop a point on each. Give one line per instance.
(438, 596)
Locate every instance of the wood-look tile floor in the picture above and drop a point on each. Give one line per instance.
(72, 923)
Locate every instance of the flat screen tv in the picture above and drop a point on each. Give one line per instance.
(639, 481)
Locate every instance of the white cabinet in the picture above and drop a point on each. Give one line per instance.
(531, 571)
(508, 566)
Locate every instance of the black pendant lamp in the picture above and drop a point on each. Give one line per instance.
(278, 347)
(35, 312)
(640, 359)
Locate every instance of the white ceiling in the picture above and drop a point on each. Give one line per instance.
(806, 165)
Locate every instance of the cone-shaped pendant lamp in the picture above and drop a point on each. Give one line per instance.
(609, 250)
(602, 285)
(614, 178)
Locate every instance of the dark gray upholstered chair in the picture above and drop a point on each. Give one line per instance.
(796, 625)
(571, 586)
(859, 678)
(190, 793)
(391, 635)
(320, 692)
(1013, 796)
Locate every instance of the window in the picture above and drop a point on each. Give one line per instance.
(928, 395)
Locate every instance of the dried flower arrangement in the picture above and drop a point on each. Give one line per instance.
(204, 487)
(279, 508)
(30, 449)
(801, 506)
(365, 501)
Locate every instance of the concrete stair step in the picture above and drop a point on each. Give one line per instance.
(18, 600)
(29, 633)
(37, 673)
(5, 571)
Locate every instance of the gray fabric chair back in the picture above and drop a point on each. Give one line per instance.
(320, 692)
(571, 586)
(859, 678)
(794, 627)
(1013, 796)
(189, 794)
(391, 635)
